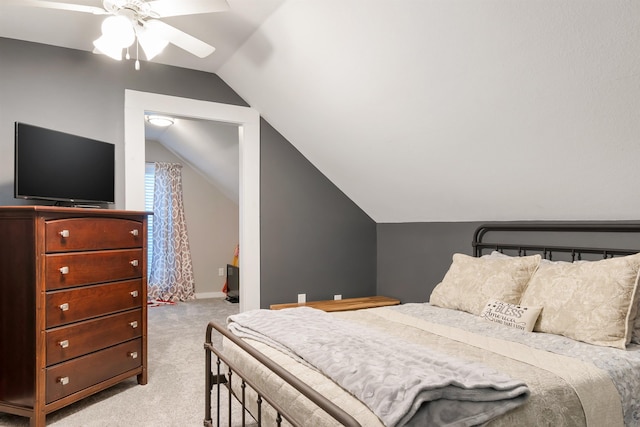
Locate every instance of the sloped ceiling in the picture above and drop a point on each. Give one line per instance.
(443, 110)
(209, 147)
(440, 110)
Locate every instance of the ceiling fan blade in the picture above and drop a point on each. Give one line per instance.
(54, 5)
(165, 8)
(180, 38)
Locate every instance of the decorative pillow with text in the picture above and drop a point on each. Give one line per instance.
(511, 315)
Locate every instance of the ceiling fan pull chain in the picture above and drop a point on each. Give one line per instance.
(137, 65)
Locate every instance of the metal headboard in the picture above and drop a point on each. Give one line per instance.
(547, 251)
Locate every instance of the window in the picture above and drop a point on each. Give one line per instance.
(149, 178)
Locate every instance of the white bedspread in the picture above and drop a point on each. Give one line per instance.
(617, 370)
(402, 383)
(596, 391)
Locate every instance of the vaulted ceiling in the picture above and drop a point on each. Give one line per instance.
(429, 110)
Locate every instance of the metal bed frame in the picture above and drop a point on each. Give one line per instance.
(225, 378)
(547, 251)
(226, 371)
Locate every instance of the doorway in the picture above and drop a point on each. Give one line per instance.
(248, 122)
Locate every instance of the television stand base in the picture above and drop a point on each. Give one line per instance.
(81, 205)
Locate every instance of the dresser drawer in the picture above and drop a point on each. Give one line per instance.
(81, 268)
(72, 305)
(77, 374)
(71, 341)
(81, 234)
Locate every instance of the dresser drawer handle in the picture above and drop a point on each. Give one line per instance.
(133, 354)
(64, 270)
(134, 262)
(63, 380)
(64, 307)
(134, 324)
(64, 343)
(64, 233)
(134, 293)
(134, 232)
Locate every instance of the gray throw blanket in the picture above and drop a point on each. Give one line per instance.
(404, 384)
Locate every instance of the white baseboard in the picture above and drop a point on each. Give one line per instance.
(204, 295)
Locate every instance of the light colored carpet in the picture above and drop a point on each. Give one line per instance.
(175, 393)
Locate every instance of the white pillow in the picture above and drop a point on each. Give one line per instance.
(511, 315)
(471, 282)
(591, 301)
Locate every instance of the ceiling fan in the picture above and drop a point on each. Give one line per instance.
(130, 21)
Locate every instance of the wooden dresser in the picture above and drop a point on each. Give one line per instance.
(73, 309)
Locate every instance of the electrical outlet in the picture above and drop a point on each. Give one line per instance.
(338, 296)
(302, 298)
(221, 271)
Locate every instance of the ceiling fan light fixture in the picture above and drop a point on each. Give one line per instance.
(162, 121)
(151, 44)
(141, 20)
(119, 31)
(104, 46)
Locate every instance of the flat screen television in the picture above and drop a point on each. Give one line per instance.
(233, 283)
(57, 166)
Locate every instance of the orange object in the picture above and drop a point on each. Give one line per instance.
(236, 255)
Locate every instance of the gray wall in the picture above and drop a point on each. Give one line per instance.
(81, 93)
(314, 239)
(326, 245)
(414, 257)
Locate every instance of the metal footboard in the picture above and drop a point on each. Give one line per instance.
(224, 376)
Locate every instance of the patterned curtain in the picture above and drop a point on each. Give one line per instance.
(171, 271)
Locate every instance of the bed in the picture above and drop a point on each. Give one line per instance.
(527, 331)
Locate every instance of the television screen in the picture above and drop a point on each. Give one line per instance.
(52, 165)
(233, 283)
